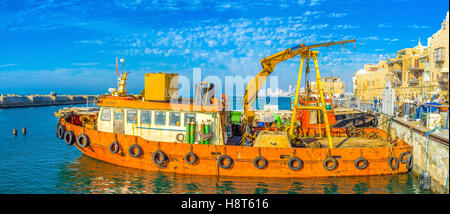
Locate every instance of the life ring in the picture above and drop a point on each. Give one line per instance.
(190, 155)
(327, 160)
(401, 157)
(180, 137)
(359, 160)
(291, 163)
(396, 163)
(162, 156)
(220, 161)
(69, 137)
(114, 147)
(262, 159)
(138, 149)
(60, 131)
(83, 140)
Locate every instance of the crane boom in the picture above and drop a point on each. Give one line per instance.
(268, 66)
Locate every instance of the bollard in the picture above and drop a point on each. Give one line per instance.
(24, 131)
(14, 132)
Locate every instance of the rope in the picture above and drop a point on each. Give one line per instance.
(428, 143)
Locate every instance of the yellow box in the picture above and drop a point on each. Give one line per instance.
(161, 86)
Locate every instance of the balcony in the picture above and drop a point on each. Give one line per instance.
(396, 83)
(397, 71)
(443, 80)
(413, 81)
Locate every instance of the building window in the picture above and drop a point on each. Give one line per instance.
(174, 119)
(131, 116)
(188, 117)
(106, 114)
(146, 117)
(160, 118)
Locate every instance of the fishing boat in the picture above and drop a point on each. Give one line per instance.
(158, 131)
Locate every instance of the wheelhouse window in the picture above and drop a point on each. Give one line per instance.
(106, 114)
(188, 117)
(160, 118)
(131, 116)
(174, 119)
(146, 117)
(118, 115)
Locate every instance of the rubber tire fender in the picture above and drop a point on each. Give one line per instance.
(358, 160)
(114, 147)
(80, 140)
(194, 158)
(325, 163)
(260, 158)
(401, 157)
(291, 161)
(60, 131)
(69, 141)
(220, 161)
(162, 155)
(396, 162)
(409, 161)
(138, 148)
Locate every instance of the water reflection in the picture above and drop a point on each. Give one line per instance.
(87, 175)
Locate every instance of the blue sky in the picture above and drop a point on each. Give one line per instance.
(70, 46)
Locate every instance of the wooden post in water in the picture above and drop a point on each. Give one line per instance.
(14, 132)
(24, 131)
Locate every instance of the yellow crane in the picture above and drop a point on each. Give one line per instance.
(268, 66)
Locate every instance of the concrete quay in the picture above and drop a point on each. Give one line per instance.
(438, 152)
(15, 101)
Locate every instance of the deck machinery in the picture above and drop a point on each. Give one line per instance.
(268, 65)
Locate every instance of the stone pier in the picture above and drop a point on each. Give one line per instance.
(415, 135)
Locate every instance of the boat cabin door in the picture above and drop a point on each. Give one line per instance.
(118, 122)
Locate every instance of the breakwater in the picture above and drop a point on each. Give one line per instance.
(14, 101)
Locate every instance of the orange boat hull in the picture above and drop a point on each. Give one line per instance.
(243, 157)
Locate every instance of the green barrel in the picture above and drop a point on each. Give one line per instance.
(188, 132)
(235, 117)
(202, 130)
(207, 132)
(277, 118)
(192, 133)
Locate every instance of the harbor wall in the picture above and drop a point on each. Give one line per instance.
(13, 101)
(438, 152)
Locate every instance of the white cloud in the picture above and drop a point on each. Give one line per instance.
(8, 65)
(418, 26)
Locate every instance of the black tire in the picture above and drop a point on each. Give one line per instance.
(114, 147)
(291, 163)
(402, 159)
(180, 135)
(60, 131)
(374, 122)
(357, 161)
(138, 149)
(189, 155)
(262, 159)
(69, 137)
(409, 161)
(83, 140)
(162, 156)
(220, 161)
(327, 160)
(396, 163)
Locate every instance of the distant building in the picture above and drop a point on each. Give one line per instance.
(419, 71)
(331, 85)
(369, 82)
